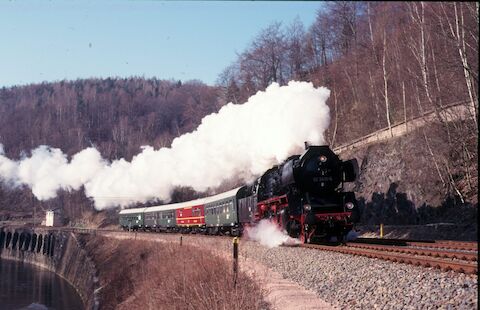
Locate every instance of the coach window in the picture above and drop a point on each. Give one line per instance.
(196, 212)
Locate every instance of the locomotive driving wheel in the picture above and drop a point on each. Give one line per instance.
(294, 228)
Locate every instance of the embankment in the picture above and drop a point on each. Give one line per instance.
(144, 274)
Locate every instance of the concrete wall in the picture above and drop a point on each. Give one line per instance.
(57, 251)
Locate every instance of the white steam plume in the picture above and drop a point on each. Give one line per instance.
(239, 141)
(269, 234)
(48, 170)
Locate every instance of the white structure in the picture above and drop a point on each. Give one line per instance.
(53, 218)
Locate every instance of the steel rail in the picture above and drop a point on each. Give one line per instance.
(454, 245)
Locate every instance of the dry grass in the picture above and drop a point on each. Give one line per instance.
(138, 274)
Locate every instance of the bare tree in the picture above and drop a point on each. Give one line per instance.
(321, 38)
(296, 50)
(266, 57)
(454, 18)
(385, 82)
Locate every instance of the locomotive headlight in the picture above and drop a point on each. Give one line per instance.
(307, 207)
(323, 158)
(349, 205)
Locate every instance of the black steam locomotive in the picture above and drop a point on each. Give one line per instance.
(305, 196)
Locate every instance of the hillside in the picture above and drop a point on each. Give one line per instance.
(117, 116)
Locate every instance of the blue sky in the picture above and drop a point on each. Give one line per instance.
(182, 40)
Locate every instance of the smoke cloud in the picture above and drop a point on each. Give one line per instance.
(239, 141)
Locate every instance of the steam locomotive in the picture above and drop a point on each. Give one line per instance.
(304, 196)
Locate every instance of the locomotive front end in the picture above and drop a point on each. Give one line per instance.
(327, 211)
(304, 195)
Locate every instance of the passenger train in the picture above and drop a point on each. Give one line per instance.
(304, 196)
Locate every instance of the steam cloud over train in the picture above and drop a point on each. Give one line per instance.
(304, 196)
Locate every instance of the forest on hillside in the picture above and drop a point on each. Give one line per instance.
(385, 62)
(115, 115)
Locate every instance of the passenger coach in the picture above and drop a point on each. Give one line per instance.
(132, 219)
(222, 213)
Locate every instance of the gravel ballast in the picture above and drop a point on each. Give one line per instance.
(354, 282)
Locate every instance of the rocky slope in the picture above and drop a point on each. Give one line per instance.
(398, 183)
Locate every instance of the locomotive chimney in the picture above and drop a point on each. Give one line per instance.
(306, 145)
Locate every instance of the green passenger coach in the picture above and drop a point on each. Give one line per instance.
(132, 219)
(221, 213)
(160, 218)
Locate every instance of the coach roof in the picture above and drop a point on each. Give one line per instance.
(130, 211)
(193, 203)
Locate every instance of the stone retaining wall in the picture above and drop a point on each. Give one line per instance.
(57, 251)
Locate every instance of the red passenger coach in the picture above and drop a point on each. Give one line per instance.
(191, 218)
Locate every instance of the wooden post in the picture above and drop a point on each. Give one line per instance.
(381, 230)
(235, 261)
(181, 240)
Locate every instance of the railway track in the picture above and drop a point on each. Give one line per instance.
(442, 255)
(437, 253)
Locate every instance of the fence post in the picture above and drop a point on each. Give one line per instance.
(235, 261)
(181, 240)
(381, 230)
